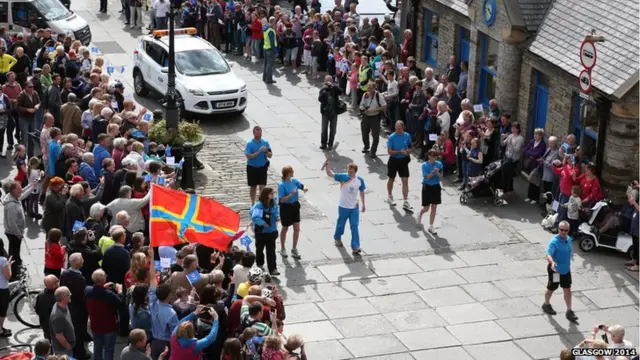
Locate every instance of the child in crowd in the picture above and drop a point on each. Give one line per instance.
(573, 208)
(54, 253)
(35, 178)
(185, 304)
(316, 50)
(241, 270)
(272, 348)
(232, 349)
(353, 85)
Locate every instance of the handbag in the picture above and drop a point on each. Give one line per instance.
(342, 107)
(535, 176)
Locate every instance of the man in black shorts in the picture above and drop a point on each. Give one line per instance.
(399, 149)
(258, 153)
(559, 255)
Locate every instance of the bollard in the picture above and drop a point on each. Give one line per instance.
(187, 168)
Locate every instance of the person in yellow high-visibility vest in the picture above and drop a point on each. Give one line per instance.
(364, 74)
(270, 48)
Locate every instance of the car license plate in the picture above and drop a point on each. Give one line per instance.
(224, 104)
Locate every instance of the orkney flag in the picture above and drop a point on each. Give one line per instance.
(178, 217)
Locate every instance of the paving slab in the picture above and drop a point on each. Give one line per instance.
(626, 316)
(524, 268)
(476, 274)
(520, 287)
(466, 313)
(579, 282)
(397, 302)
(483, 257)
(299, 294)
(402, 356)
(483, 291)
(374, 345)
(497, 351)
(415, 319)
(304, 313)
(438, 262)
(436, 279)
(544, 347)
(345, 272)
(363, 326)
(315, 331)
(427, 338)
(337, 309)
(447, 353)
(445, 296)
(613, 297)
(327, 350)
(528, 326)
(478, 333)
(513, 307)
(390, 285)
(389, 267)
(343, 290)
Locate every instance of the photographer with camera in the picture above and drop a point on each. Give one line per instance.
(372, 106)
(329, 99)
(265, 217)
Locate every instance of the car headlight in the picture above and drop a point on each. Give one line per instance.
(196, 92)
(70, 33)
(243, 88)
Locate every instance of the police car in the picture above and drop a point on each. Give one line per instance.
(205, 82)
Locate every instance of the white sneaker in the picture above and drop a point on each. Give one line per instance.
(406, 206)
(533, 202)
(390, 201)
(295, 254)
(432, 230)
(245, 55)
(294, 71)
(254, 59)
(283, 252)
(527, 200)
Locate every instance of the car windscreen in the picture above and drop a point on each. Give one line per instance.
(201, 62)
(52, 9)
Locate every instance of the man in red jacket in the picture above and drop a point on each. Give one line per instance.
(103, 305)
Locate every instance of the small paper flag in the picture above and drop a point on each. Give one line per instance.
(110, 70)
(400, 65)
(245, 241)
(180, 163)
(147, 116)
(123, 68)
(50, 49)
(95, 50)
(161, 181)
(147, 178)
(167, 151)
(77, 225)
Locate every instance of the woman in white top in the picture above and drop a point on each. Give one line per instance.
(391, 96)
(443, 117)
(513, 151)
(137, 149)
(5, 275)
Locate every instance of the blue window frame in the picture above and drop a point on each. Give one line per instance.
(577, 126)
(465, 38)
(540, 101)
(431, 39)
(488, 68)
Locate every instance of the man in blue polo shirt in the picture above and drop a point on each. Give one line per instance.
(559, 255)
(399, 149)
(258, 153)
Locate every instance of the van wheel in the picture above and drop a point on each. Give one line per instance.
(630, 252)
(586, 243)
(139, 85)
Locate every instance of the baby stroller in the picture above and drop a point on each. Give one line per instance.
(485, 185)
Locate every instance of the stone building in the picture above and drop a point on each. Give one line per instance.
(549, 89)
(525, 54)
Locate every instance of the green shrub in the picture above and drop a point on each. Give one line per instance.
(187, 132)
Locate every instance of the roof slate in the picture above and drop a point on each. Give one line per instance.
(533, 12)
(456, 5)
(568, 21)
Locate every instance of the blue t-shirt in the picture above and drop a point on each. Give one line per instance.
(427, 168)
(397, 142)
(252, 147)
(286, 187)
(561, 252)
(4, 282)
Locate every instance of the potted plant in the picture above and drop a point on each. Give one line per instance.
(187, 132)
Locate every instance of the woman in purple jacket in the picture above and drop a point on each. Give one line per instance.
(533, 158)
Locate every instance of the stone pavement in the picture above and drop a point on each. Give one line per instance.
(472, 292)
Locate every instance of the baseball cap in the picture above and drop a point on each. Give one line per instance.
(76, 179)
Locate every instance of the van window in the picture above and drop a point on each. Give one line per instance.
(4, 12)
(155, 52)
(23, 14)
(51, 9)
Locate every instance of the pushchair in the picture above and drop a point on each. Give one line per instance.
(485, 185)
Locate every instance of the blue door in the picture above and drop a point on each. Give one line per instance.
(464, 50)
(542, 102)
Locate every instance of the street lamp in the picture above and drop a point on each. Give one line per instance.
(171, 101)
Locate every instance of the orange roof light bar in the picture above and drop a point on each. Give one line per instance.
(185, 31)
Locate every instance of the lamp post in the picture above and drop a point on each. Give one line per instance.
(171, 101)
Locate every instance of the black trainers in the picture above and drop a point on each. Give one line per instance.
(274, 272)
(571, 316)
(356, 251)
(548, 309)
(365, 150)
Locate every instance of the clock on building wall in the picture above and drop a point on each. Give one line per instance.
(489, 11)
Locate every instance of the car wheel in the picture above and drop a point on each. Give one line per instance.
(630, 252)
(587, 243)
(139, 85)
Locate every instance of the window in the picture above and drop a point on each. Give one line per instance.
(201, 62)
(488, 68)
(432, 30)
(52, 9)
(463, 36)
(154, 52)
(4, 12)
(592, 122)
(23, 14)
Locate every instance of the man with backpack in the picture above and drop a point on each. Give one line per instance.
(251, 313)
(372, 106)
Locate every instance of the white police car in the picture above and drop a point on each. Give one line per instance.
(205, 82)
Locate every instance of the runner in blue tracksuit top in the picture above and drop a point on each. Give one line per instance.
(348, 205)
(265, 217)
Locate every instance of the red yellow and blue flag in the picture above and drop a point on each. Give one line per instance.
(178, 217)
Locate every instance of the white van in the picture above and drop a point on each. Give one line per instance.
(19, 15)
